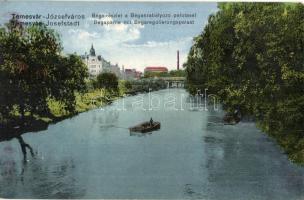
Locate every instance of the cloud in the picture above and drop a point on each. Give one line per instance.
(102, 36)
(153, 53)
(154, 44)
(116, 43)
(82, 35)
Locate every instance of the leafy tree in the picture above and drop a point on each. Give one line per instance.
(128, 85)
(33, 69)
(155, 74)
(107, 81)
(251, 55)
(177, 73)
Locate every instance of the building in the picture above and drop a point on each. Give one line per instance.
(132, 74)
(156, 69)
(93, 62)
(97, 64)
(108, 67)
(138, 75)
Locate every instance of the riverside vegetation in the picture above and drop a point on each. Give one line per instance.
(40, 85)
(251, 56)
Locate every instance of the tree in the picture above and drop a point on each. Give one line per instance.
(149, 74)
(251, 55)
(33, 69)
(177, 73)
(107, 81)
(128, 85)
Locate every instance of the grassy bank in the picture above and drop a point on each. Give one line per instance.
(15, 126)
(84, 102)
(91, 99)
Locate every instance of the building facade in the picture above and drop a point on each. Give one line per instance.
(97, 64)
(108, 67)
(93, 62)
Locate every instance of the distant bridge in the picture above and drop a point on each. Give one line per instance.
(174, 82)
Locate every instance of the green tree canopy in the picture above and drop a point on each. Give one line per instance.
(251, 56)
(33, 69)
(107, 81)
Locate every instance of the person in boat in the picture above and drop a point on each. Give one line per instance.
(151, 121)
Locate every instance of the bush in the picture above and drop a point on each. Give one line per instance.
(107, 81)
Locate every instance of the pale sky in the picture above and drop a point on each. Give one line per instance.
(134, 46)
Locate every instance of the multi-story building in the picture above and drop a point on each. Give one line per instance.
(93, 62)
(97, 64)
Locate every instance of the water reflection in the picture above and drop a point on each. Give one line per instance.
(16, 132)
(192, 156)
(24, 146)
(52, 181)
(241, 164)
(36, 179)
(107, 118)
(139, 134)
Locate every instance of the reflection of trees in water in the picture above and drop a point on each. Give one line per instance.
(239, 159)
(9, 133)
(8, 173)
(52, 181)
(35, 178)
(108, 118)
(40, 180)
(24, 146)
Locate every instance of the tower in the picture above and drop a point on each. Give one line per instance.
(92, 51)
(177, 65)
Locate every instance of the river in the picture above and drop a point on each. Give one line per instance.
(193, 155)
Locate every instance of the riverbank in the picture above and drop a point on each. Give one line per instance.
(33, 123)
(92, 99)
(291, 141)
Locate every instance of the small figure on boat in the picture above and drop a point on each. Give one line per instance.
(151, 121)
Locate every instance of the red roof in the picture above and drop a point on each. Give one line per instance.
(152, 68)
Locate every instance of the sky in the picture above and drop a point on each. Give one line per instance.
(132, 45)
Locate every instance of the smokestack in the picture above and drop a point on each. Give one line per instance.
(177, 60)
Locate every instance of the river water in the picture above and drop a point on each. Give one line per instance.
(193, 155)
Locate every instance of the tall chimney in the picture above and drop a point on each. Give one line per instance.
(177, 59)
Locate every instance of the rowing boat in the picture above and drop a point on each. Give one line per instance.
(145, 127)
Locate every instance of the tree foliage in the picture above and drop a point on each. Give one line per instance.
(155, 74)
(33, 69)
(172, 73)
(107, 80)
(251, 55)
(177, 73)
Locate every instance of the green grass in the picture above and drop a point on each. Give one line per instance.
(92, 99)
